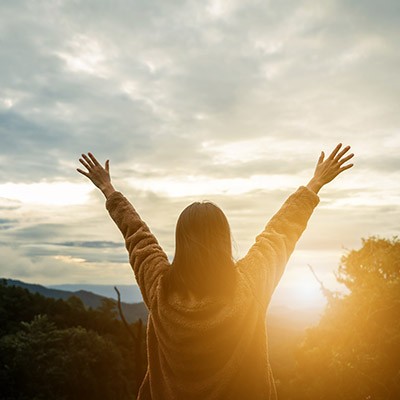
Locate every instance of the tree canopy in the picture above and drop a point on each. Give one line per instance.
(353, 353)
(59, 350)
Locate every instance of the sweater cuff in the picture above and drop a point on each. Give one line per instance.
(309, 194)
(113, 200)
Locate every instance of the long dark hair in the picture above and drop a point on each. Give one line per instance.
(203, 262)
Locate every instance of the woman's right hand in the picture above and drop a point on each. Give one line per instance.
(99, 175)
(328, 169)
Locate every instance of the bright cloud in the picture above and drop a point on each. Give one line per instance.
(46, 193)
(84, 54)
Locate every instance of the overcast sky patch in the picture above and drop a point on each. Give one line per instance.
(222, 100)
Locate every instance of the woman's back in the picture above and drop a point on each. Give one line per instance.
(214, 346)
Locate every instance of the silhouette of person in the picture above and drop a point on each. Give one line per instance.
(206, 331)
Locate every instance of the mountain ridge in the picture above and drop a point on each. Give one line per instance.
(131, 311)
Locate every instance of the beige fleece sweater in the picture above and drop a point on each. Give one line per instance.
(211, 349)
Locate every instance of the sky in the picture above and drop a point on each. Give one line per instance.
(225, 100)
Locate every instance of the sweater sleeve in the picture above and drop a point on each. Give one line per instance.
(265, 262)
(146, 256)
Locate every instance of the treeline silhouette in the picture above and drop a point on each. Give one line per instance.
(354, 351)
(59, 350)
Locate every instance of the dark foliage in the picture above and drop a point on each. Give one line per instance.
(56, 349)
(59, 350)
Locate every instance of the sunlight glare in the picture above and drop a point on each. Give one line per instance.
(301, 294)
(46, 193)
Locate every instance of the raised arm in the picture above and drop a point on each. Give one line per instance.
(264, 264)
(146, 257)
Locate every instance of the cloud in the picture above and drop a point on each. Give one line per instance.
(225, 100)
(6, 223)
(60, 269)
(187, 76)
(92, 244)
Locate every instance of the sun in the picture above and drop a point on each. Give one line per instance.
(299, 292)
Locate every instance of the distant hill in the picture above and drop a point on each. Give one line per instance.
(129, 293)
(132, 312)
(281, 319)
(298, 319)
(286, 329)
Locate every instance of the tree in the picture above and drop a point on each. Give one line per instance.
(353, 353)
(43, 362)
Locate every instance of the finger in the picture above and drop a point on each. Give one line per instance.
(82, 172)
(334, 152)
(93, 158)
(321, 157)
(346, 159)
(88, 160)
(345, 167)
(85, 164)
(108, 165)
(344, 151)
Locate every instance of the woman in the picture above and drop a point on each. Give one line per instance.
(206, 333)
